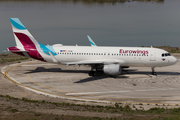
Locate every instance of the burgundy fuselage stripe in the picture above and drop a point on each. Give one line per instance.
(29, 46)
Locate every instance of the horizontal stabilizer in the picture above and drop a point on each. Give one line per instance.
(15, 49)
(5, 51)
(20, 51)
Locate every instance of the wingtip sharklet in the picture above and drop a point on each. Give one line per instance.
(91, 41)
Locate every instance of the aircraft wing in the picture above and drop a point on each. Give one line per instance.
(95, 62)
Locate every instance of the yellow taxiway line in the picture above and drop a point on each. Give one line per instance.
(69, 97)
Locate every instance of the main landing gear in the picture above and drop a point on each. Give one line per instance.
(92, 73)
(153, 71)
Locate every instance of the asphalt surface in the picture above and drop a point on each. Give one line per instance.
(135, 85)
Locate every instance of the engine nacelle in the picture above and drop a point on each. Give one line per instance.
(112, 69)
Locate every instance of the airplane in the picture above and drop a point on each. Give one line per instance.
(110, 60)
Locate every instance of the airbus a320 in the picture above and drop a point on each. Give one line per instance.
(110, 59)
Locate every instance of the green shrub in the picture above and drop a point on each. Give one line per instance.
(116, 105)
(14, 110)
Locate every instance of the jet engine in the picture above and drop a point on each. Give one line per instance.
(112, 69)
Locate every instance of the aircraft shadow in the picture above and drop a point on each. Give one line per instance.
(90, 79)
(100, 74)
(42, 69)
(168, 73)
(94, 78)
(135, 71)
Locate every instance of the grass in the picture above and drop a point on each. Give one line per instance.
(11, 58)
(14, 110)
(107, 109)
(125, 110)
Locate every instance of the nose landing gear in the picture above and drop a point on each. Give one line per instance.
(153, 71)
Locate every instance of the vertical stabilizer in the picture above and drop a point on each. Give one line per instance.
(25, 43)
(22, 36)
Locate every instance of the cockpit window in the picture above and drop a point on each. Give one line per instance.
(166, 54)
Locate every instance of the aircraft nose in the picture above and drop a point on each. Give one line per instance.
(174, 60)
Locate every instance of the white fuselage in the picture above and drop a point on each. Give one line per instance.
(125, 56)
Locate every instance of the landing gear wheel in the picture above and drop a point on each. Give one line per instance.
(153, 71)
(91, 73)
